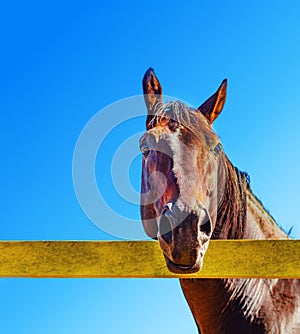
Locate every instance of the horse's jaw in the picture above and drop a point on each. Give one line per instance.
(182, 269)
(187, 268)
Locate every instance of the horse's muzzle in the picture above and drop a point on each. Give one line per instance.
(183, 238)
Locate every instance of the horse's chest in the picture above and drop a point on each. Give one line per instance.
(218, 309)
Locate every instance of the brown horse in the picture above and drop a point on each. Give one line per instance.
(191, 193)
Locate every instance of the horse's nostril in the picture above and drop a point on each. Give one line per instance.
(206, 227)
(165, 228)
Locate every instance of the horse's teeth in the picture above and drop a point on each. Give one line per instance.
(170, 205)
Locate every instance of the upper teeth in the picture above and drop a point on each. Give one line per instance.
(169, 205)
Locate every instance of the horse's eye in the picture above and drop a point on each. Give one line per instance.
(145, 150)
(217, 149)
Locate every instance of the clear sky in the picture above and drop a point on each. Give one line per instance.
(62, 62)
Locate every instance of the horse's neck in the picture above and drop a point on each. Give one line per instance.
(219, 306)
(206, 299)
(260, 225)
(240, 213)
(244, 305)
(236, 302)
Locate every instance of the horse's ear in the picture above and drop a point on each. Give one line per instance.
(152, 93)
(212, 107)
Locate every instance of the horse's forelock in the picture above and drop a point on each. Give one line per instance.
(187, 117)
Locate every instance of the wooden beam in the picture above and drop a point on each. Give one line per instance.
(144, 259)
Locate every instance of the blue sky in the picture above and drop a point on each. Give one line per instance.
(62, 62)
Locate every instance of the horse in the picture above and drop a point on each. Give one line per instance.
(191, 193)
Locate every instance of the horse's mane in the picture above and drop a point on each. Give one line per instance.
(232, 208)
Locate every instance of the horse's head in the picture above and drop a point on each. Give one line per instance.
(181, 175)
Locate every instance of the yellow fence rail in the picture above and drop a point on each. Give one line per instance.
(144, 259)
